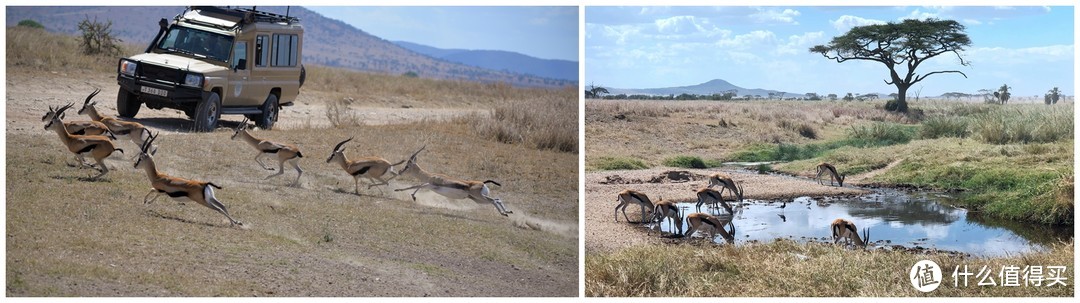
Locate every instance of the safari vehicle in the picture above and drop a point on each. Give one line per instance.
(211, 61)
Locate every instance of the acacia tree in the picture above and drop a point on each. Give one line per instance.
(901, 47)
(1053, 95)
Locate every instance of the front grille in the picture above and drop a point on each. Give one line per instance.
(159, 73)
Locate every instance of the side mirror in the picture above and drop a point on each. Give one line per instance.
(240, 65)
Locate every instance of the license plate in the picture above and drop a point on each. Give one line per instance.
(154, 91)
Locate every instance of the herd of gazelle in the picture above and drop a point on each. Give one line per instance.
(665, 209)
(89, 137)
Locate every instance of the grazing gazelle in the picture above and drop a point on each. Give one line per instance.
(726, 182)
(89, 128)
(824, 168)
(628, 196)
(450, 187)
(99, 147)
(699, 221)
(844, 229)
(177, 188)
(372, 168)
(283, 151)
(667, 209)
(709, 195)
(134, 131)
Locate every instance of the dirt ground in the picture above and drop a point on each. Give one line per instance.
(67, 236)
(602, 233)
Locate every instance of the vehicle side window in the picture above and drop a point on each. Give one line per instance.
(239, 52)
(285, 50)
(262, 49)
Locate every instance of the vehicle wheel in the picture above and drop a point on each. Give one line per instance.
(269, 113)
(303, 75)
(127, 104)
(207, 113)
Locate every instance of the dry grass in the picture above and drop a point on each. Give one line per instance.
(785, 268)
(37, 48)
(545, 121)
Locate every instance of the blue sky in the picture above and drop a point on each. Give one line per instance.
(549, 32)
(1029, 48)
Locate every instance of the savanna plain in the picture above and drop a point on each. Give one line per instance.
(1009, 163)
(69, 235)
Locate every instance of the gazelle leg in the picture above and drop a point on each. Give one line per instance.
(152, 192)
(356, 185)
(299, 172)
(416, 187)
(104, 168)
(373, 183)
(213, 203)
(258, 159)
(280, 171)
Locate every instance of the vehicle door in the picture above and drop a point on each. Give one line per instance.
(238, 93)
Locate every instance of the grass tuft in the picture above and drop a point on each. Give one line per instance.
(690, 162)
(619, 163)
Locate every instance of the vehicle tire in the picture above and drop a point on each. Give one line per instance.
(269, 113)
(127, 104)
(208, 113)
(303, 75)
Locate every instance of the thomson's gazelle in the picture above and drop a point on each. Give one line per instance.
(450, 187)
(134, 131)
(668, 209)
(701, 221)
(177, 188)
(726, 182)
(99, 147)
(709, 195)
(372, 168)
(89, 128)
(283, 151)
(846, 230)
(824, 168)
(626, 197)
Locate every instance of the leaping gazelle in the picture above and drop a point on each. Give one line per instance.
(372, 168)
(177, 188)
(134, 131)
(100, 147)
(700, 221)
(283, 151)
(824, 168)
(626, 197)
(450, 187)
(86, 128)
(846, 230)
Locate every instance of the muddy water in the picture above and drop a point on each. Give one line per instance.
(913, 220)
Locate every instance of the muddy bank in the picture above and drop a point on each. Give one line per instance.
(602, 233)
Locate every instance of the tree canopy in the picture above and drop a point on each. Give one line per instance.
(901, 47)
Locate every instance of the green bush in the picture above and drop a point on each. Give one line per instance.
(881, 134)
(31, 24)
(1016, 124)
(690, 162)
(619, 163)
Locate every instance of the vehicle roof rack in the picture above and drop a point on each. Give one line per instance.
(248, 15)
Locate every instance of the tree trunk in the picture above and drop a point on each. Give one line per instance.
(901, 98)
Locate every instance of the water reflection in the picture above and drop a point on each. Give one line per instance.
(894, 217)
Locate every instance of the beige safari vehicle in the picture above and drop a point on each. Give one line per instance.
(211, 61)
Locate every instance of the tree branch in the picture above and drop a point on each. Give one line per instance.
(920, 78)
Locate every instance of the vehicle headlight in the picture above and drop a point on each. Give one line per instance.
(193, 80)
(127, 67)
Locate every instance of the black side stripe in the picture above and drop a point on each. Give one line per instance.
(361, 171)
(635, 196)
(87, 149)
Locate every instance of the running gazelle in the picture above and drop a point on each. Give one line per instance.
(177, 188)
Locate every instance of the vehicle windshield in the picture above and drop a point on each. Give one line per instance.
(197, 43)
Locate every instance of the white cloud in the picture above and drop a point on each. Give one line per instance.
(747, 40)
(799, 43)
(972, 22)
(681, 25)
(920, 15)
(1014, 56)
(846, 22)
(772, 15)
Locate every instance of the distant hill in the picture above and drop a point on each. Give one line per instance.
(500, 60)
(716, 86)
(327, 42)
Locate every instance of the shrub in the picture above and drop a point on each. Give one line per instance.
(31, 24)
(881, 134)
(690, 162)
(339, 114)
(97, 38)
(619, 163)
(806, 131)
